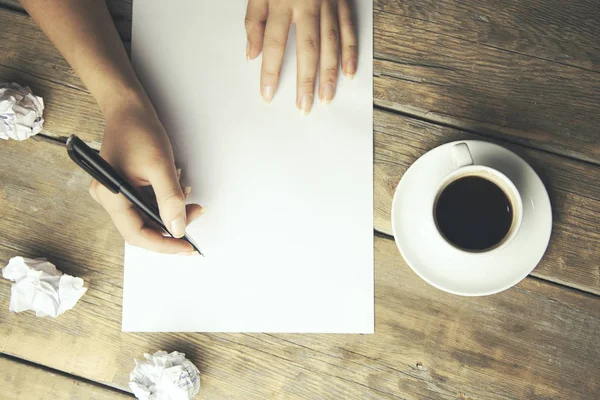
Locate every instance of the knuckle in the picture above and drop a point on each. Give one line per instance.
(311, 44)
(270, 75)
(308, 81)
(273, 42)
(348, 23)
(352, 48)
(172, 195)
(332, 35)
(251, 24)
(310, 14)
(331, 72)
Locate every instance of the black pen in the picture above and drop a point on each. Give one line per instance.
(100, 170)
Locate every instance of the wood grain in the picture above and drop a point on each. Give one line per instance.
(536, 340)
(512, 85)
(573, 257)
(21, 381)
(28, 57)
(562, 32)
(66, 110)
(120, 10)
(501, 94)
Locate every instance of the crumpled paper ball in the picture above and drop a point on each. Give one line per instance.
(40, 287)
(165, 376)
(20, 112)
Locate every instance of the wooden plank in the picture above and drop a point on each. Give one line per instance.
(563, 32)
(502, 94)
(21, 381)
(28, 57)
(426, 69)
(120, 10)
(66, 110)
(536, 340)
(25, 49)
(573, 257)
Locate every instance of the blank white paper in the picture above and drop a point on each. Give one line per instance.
(288, 227)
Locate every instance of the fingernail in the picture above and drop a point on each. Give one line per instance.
(186, 191)
(306, 104)
(178, 173)
(328, 92)
(247, 51)
(188, 253)
(350, 70)
(178, 227)
(267, 93)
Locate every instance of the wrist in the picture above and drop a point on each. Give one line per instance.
(123, 100)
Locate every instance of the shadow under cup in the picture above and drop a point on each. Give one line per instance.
(477, 209)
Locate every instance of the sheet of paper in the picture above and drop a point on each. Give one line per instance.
(288, 228)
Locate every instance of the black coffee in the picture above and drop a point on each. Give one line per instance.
(473, 213)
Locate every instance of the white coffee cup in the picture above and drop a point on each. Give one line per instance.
(465, 167)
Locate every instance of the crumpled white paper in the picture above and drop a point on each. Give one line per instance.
(20, 112)
(40, 287)
(165, 376)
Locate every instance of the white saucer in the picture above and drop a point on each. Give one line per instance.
(453, 270)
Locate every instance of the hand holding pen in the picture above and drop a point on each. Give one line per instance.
(141, 160)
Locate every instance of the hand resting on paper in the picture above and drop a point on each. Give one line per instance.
(135, 142)
(324, 29)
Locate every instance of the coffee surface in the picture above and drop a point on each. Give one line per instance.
(473, 213)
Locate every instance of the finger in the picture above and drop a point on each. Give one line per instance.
(92, 190)
(193, 211)
(110, 201)
(131, 225)
(307, 54)
(169, 196)
(275, 39)
(186, 189)
(330, 48)
(349, 41)
(256, 16)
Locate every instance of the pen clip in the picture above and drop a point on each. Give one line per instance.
(75, 156)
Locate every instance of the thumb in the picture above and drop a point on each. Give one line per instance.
(170, 198)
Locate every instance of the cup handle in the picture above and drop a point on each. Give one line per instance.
(461, 156)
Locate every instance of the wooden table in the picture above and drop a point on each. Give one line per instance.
(524, 74)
